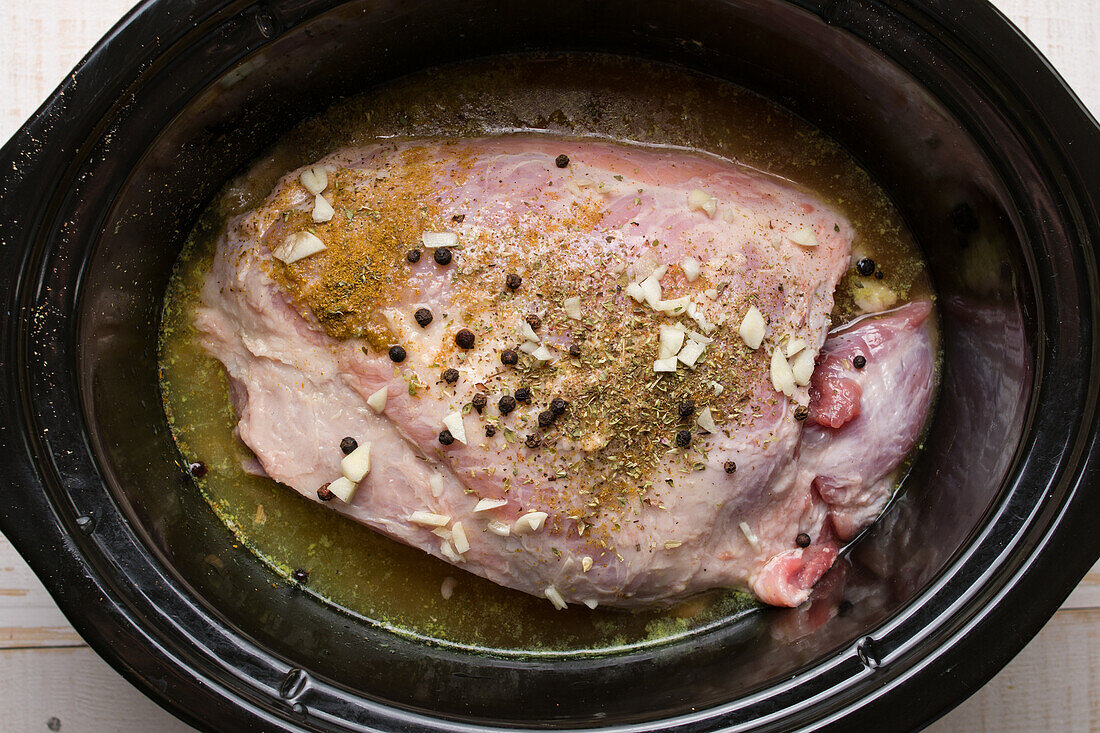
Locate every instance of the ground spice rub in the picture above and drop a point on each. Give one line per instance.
(380, 212)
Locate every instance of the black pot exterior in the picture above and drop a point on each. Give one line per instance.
(978, 141)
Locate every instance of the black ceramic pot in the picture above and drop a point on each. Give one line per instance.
(991, 159)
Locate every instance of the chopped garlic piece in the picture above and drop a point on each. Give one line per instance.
(665, 365)
(447, 589)
(297, 246)
(322, 209)
(573, 307)
(782, 376)
(802, 366)
(453, 423)
(356, 465)
(442, 532)
(499, 528)
(586, 564)
(530, 522)
(651, 290)
(691, 267)
(634, 290)
(752, 328)
(315, 179)
(591, 603)
(343, 489)
(706, 421)
(554, 597)
(690, 353)
(804, 237)
(458, 537)
(698, 337)
(670, 341)
(428, 519)
(675, 307)
(705, 325)
(449, 552)
(542, 354)
(435, 483)
(794, 346)
(750, 536)
(703, 201)
(528, 347)
(377, 401)
(435, 240)
(711, 293)
(528, 333)
(488, 504)
(718, 388)
(873, 296)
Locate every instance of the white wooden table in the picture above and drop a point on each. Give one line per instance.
(50, 680)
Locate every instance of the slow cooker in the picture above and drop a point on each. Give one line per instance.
(976, 139)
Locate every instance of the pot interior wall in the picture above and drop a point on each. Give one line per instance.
(212, 110)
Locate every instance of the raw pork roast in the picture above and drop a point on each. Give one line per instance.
(653, 318)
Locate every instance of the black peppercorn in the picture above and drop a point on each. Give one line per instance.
(479, 402)
(458, 218)
(561, 161)
(683, 438)
(397, 354)
(197, 469)
(513, 281)
(801, 413)
(465, 338)
(532, 441)
(686, 408)
(859, 361)
(442, 256)
(507, 404)
(878, 274)
(324, 494)
(301, 575)
(802, 540)
(445, 437)
(490, 431)
(546, 418)
(450, 376)
(558, 405)
(413, 256)
(866, 267)
(574, 350)
(523, 394)
(423, 317)
(508, 357)
(348, 444)
(730, 467)
(534, 321)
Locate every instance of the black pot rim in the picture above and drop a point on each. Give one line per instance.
(1022, 582)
